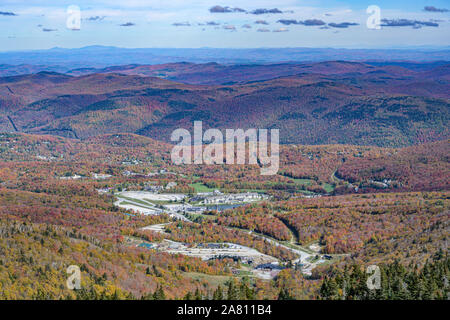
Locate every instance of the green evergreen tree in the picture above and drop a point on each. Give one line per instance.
(218, 293)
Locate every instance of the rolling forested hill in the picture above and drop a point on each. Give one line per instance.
(322, 103)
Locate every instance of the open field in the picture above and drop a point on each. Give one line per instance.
(200, 187)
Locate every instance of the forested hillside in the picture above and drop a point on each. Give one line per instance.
(324, 103)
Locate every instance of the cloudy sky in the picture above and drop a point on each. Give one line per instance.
(42, 24)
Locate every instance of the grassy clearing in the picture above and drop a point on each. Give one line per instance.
(327, 187)
(305, 182)
(245, 273)
(200, 187)
(211, 279)
(216, 280)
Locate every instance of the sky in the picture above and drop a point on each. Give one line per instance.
(43, 24)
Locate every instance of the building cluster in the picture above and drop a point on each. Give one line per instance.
(95, 176)
(216, 197)
(158, 188)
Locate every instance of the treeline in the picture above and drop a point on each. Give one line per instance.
(397, 282)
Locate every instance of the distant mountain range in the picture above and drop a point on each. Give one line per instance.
(214, 73)
(62, 60)
(330, 102)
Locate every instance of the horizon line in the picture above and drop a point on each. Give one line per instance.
(393, 48)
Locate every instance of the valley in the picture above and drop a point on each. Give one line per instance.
(179, 209)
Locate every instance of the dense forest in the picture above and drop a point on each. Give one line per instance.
(397, 282)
